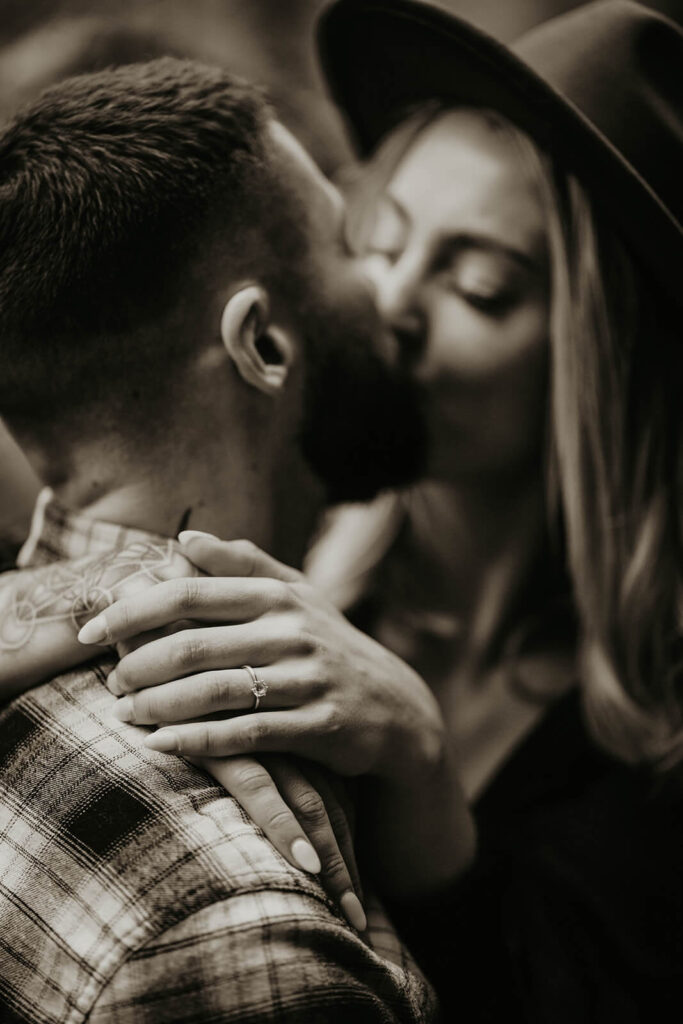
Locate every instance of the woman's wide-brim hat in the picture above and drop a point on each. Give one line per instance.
(600, 87)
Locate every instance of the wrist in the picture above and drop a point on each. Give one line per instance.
(418, 755)
(423, 834)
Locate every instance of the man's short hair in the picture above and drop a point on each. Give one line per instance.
(116, 189)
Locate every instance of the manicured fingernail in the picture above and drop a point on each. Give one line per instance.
(353, 911)
(185, 536)
(305, 856)
(113, 684)
(94, 632)
(124, 710)
(164, 741)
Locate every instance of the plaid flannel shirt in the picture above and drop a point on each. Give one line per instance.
(133, 890)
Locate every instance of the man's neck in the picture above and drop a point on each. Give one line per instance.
(235, 499)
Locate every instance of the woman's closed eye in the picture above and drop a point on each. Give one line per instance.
(487, 282)
(493, 303)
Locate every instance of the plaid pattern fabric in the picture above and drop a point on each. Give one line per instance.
(134, 890)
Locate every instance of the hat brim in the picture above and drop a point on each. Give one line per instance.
(383, 57)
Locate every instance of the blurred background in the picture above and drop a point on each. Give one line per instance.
(269, 41)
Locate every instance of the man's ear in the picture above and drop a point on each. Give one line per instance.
(262, 353)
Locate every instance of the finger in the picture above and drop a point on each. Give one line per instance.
(341, 812)
(233, 557)
(211, 692)
(314, 813)
(257, 793)
(124, 647)
(258, 733)
(203, 650)
(206, 599)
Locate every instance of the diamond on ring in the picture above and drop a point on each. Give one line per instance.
(258, 687)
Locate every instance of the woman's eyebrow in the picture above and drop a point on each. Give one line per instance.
(457, 242)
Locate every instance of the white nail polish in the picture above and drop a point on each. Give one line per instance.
(185, 536)
(353, 911)
(113, 684)
(124, 710)
(305, 856)
(94, 632)
(164, 741)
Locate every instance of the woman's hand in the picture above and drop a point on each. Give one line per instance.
(333, 694)
(303, 814)
(300, 810)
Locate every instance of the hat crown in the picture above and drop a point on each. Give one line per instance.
(616, 56)
(600, 87)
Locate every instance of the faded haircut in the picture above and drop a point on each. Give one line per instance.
(120, 191)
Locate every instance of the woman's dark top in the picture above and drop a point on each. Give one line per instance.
(573, 912)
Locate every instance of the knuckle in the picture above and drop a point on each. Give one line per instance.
(247, 553)
(204, 741)
(312, 644)
(315, 680)
(338, 819)
(278, 819)
(170, 707)
(216, 693)
(303, 638)
(208, 740)
(256, 734)
(251, 736)
(276, 593)
(303, 591)
(197, 740)
(330, 718)
(186, 595)
(334, 866)
(252, 779)
(310, 809)
(189, 649)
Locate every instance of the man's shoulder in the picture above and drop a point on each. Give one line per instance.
(130, 882)
(97, 790)
(105, 845)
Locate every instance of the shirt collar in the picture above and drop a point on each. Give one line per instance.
(58, 533)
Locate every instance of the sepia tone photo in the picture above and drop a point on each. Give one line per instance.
(341, 512)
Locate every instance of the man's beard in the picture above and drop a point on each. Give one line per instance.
(363, 428)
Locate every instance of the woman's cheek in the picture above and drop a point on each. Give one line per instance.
(515, 406)
(459, 344)
(470, 346)
(488, 382)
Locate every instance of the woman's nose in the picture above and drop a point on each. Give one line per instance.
(398, 300)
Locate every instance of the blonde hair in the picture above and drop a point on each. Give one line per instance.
(617, 437)
(615, 454)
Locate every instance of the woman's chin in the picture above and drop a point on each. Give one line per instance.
(452, 460)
